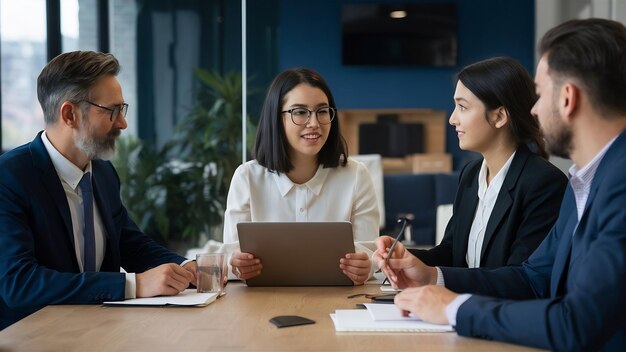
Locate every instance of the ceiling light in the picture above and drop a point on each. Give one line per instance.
(397, 14)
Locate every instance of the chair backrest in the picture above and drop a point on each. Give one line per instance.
(374, 164)
(412, 194)
(444, 213)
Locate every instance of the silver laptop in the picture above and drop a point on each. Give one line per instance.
(297, 253)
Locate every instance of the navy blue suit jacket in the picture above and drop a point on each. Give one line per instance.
(571, 292)
(526, 208)
(38, 263)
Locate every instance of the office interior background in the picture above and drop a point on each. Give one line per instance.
(181, 67)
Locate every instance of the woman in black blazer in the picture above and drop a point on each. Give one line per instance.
(506, 202)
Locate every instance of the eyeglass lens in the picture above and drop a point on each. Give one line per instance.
(123, 108)
(301, 116)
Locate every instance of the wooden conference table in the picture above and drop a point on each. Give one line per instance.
(238, 321)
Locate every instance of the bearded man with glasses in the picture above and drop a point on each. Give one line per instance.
(64, 231)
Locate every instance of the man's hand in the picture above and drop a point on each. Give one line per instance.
(192, 267)
(164, 280)
(403, 269)
(356, 266)
(428, 303)
(245, 265)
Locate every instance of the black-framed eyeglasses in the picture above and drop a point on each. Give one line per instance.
(115, 110)
(302, 116)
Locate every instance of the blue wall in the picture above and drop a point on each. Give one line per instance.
(309, 34)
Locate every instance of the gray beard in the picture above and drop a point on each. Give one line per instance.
(103, 149)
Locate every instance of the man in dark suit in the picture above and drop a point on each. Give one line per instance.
(569, 294)
(64, 233)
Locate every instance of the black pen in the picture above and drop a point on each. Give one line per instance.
(395, 242)
(393, 245)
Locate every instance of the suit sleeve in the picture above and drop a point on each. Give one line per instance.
(25, 285)
(591, 310)
(542, 194)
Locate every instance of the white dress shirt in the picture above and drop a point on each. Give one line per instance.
(70, 176)
(580, 179)
(487, 196)
(333, 194)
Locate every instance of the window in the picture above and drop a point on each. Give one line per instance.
(23, 48)
(79, 25)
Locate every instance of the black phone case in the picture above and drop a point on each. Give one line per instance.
(284, 321)
(384, 298)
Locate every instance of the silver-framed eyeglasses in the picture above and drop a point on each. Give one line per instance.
(115, 109)
(302, 116)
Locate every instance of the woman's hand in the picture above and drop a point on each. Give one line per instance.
(356, 266)
(245, 266)
(402, 268)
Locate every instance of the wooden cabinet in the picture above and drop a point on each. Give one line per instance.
(434, 158)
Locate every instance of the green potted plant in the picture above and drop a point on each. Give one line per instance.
(177, 193)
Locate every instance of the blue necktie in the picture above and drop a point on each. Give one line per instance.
(90, 239)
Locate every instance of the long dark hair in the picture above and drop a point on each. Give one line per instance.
(503, 82)
(271, 145)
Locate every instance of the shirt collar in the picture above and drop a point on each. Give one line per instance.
(585, 175)
(67, 171)
(498, 180)
(315, 184)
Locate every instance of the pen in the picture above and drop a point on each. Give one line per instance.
(395, 242)
(393, 245)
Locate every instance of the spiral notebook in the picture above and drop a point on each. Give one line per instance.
(360, 320)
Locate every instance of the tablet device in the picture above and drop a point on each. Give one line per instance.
(297, 253)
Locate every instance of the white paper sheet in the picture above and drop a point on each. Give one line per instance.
(189, 297)
(381, 311)
(359, 320)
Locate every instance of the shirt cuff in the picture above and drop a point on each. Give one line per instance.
(131, 286)
(186, 261)
(453, 308)
(440, 280)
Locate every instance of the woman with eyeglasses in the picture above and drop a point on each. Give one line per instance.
(508, 200)
(301, 172)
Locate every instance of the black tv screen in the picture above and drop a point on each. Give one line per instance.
(399, 34)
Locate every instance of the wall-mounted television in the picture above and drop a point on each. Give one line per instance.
(399, 34)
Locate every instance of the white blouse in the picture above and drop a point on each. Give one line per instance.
(333, 194)
(487, 196)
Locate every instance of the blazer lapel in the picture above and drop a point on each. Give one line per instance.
(607, 161)
(466, 212)
(504, 200)
(52, 183)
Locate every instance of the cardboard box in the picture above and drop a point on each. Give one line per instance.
(430, 163)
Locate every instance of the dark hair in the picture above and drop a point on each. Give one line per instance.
(503, 82)
(69, 77)
(593, 52)
(271, 145)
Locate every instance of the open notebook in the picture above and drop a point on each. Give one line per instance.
(381, 318)
(189, 297)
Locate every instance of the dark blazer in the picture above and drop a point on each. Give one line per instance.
(525, 210)
(38, 263)
(570, 293)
